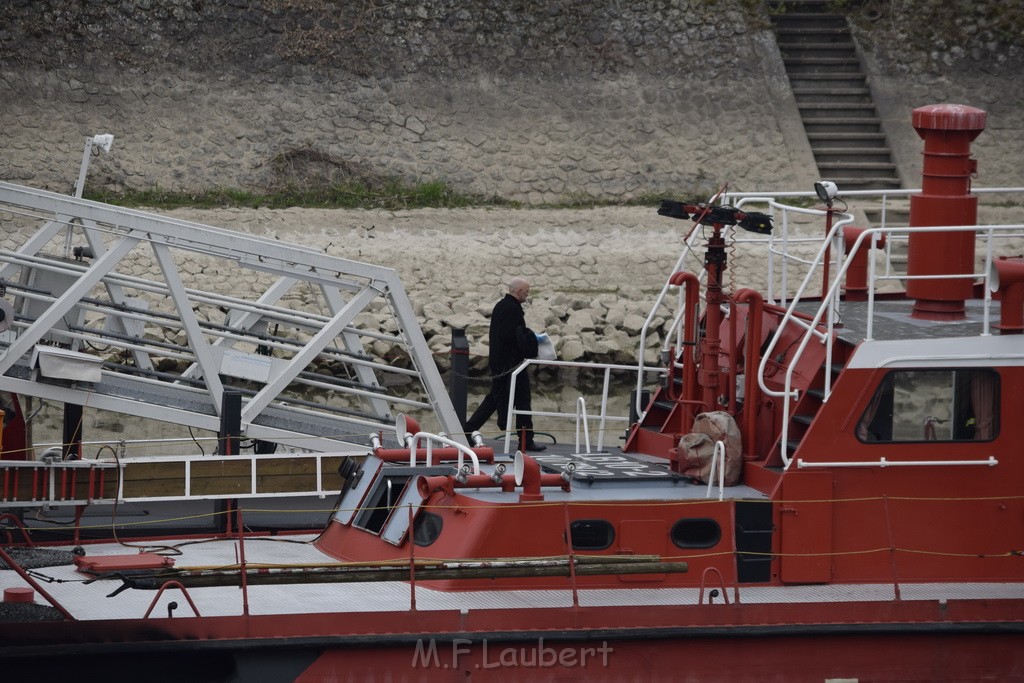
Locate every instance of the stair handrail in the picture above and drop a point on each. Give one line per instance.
(642, 344)
(827, 305)
(832, 239)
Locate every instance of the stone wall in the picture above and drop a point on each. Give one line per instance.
(921, 52)
(534, 101)
(538, 101)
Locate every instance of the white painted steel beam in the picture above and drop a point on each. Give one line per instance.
(150, 333)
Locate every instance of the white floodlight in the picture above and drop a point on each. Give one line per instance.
(826, 191)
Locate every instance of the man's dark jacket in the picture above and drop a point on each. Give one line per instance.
(511, 340)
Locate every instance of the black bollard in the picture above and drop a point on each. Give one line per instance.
(228, 443)
(458, 379)
(72, 440)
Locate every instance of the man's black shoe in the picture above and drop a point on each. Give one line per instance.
(535, 447)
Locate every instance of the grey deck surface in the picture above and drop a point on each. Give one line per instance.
(90, 601)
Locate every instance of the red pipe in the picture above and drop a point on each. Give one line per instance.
(733, 351)
(21, 527)
(857, 273)
(531, 478)
(165, 586)
(691, 297)
(1009, 282)
(711, 343)
(752, 365)
(447, 484)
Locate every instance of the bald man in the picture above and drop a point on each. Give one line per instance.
(511, 342)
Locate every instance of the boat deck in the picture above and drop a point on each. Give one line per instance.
(891, 320)
(92, 600)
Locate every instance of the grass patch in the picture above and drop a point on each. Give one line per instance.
(391, 194)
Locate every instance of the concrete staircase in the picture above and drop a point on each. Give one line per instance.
(831, 92)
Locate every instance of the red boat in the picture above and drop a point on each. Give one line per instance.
(826, 485)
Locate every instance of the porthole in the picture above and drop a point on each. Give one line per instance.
(696, 533)
(591, 534)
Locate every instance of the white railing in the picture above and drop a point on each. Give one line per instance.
(183, 480)
(831, 298)
(603, 417)
(431, 439)
(717, 465)
(581, 420)
(990, 461)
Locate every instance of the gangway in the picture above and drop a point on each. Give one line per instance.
(115, 309)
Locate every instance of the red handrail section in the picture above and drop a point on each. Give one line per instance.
(171, 584)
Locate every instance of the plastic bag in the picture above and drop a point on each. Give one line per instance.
(545, 347)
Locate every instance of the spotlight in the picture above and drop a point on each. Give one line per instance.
(826, 191)
(754, 221)
(673, 209)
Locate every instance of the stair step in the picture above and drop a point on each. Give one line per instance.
(813, 32)
(862, 91)
(814, 79)
(663, 404)
(845, 46)
(842, 125)
(830, 110)
(816, 393)
(856, 170)
(803, 419)
(836, 95)
(846, 141)
(831, 155)
(789, 19)
(811, 81)
(801, 65)
(826, 56)
(783, 6)
(823, 80)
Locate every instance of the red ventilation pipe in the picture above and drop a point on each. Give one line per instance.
(691, 296)
(1007, 278)
(751, 365)
(945, 199)
(857, 273)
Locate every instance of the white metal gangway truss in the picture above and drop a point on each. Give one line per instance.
(87, 329)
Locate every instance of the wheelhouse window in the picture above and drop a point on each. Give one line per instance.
(426, 529)
(933, 405)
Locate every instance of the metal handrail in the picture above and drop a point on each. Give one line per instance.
(717, 464)
(990, 461)
(581, 417)
(603, 417)
(832, 296)
(430, 439)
